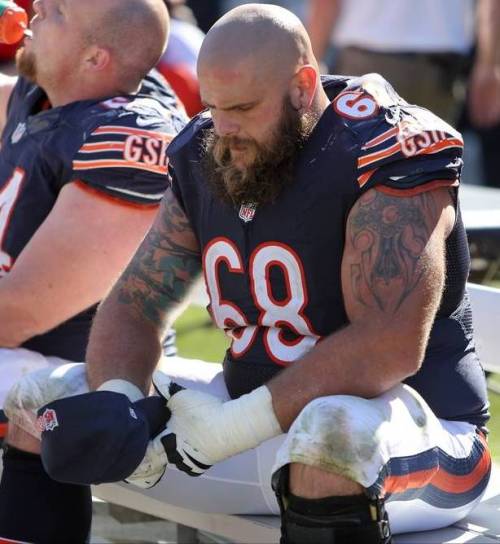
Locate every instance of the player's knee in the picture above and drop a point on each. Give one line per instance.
(338, 434)
(39, 388)
(346, 519)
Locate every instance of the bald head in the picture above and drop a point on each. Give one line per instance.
(268, 37)
(134, 31)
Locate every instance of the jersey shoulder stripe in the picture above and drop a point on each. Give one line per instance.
(123, 149)
(118, 163)
(399, 144)
(115, 146)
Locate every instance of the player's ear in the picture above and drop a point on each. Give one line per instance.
(303, 87)
(97, 58)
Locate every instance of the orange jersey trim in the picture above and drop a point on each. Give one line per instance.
(102, 146)
(117, 163)
(391, 191)
(395, 148)
(110, 129)
(381, 138)
(114, 199)
(374, 157)
(364, 178)
(439, 146)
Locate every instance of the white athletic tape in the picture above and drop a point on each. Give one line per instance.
(122, 386)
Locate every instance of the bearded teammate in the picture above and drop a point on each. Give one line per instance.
(82, 172)
(325, 219)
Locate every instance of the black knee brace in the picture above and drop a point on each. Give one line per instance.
(331, 520)
(35, 508)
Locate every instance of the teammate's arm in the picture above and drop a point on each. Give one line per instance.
(484, 81)
(321, 18)
(393, 272)
(125, 340)
(70, 262)
(7, 83)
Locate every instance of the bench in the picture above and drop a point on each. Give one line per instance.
(486, 312)
(482, 526)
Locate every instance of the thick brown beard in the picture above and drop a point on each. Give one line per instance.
(273, 166)
(26, 64)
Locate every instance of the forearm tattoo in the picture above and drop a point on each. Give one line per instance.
(164, 267)
(388, 236)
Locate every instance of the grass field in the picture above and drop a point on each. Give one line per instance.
(494, 424)
(198, 339)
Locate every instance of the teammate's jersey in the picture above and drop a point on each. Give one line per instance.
(114, 147)
(273, 273)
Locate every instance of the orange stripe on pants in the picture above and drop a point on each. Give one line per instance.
(439, 478)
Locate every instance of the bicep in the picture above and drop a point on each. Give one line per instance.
(164, 268)
(393, 266)
(75, 256)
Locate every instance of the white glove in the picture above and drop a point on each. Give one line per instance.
(152, 467)
(204, 430)
(154, 464)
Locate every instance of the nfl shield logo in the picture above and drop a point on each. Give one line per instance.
(47, 421)
(247, 211)
(18, 133)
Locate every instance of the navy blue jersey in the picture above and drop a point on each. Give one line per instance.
(115, 147)
(273, 273)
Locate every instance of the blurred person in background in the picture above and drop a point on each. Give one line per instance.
(483, 102)
(178, 63)
(423, 48)
(206, 12)
(299, 7)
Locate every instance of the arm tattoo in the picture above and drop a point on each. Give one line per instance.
(388, 236)
(164, 267)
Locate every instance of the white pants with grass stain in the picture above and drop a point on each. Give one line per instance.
(432, 472)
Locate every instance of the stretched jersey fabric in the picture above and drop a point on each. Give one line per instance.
(273, 272)
(115, 148)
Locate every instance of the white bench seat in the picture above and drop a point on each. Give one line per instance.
(482, 526)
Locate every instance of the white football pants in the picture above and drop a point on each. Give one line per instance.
(431, 471)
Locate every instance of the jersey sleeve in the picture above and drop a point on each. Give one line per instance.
(184, 156)
(403, 148)
(125, 157)
(416, 155)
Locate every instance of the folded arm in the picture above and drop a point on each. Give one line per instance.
(393, 272)
(125, 340)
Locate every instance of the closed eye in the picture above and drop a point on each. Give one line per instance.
(246, 107)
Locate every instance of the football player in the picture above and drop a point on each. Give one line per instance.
(82, 171)
(324, 216)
